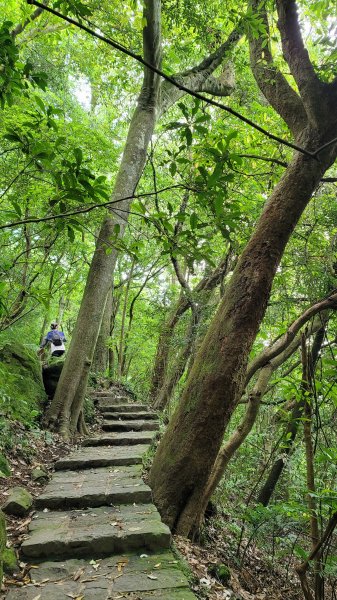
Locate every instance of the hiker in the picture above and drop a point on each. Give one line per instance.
(56, 340)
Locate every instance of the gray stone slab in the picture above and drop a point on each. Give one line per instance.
(139, 415)
(130, 425)
(122, 438)
(96, 532)
(94, 487)
(100, 457)
(157, 576)
(108, 406)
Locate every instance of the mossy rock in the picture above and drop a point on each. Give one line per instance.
(2, 543)
(5, 470)
(51, 374)
(10, 561)
(221, 572)
(18, 503)
(40, 475)
(15, 353)
(21, 382)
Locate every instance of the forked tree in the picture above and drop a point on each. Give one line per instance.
(189, 448)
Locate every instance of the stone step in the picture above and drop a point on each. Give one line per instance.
(94, 487)
(130, 415)
(95, 532)
(87, 457)
(112, 396)
(122, 438)
(130, 425)
(112, 407)
(154, 577)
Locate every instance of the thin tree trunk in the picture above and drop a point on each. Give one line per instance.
(163, 346)
(310, 463)
(290, 432)
(208, 283)
(102, 267)
(100, 362)
(121, 351)
(165, 394)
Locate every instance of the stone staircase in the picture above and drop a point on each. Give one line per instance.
(96, 534)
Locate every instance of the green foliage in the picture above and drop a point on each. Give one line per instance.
(15, 76)
(21, 394)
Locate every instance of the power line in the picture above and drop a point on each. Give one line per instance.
(180, 86)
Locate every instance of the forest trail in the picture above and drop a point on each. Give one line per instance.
(96, 534)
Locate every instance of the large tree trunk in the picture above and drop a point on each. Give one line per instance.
(191, 443)
(150, 106)
(102, 267)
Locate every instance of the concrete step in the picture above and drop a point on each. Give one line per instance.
(121, 438)
(87, 457)
(94, 487)
(95, 532)
(130, 425)
(113, 407)
(154, 577)
(130, 415)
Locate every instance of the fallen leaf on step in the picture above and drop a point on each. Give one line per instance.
(157, 566)
(121, 564)
(78, 574)
(37, 597)
(152, 576)
(23, 525)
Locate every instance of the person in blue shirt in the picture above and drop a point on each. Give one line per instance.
(55, 339)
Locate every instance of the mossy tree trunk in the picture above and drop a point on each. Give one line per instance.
(189, 448)
(192, 441)
(154, 100)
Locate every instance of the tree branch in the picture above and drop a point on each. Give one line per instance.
(22, 26)
(176, 83)
(311, 89)
(200, 78)
(281, 344)
(271, 81)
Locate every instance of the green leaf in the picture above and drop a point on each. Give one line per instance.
(193, 220)
(78, 156)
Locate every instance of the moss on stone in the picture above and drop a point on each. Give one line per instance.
(10, 561)
(5, 470)
(2, 543)
(22, 392)
(18, 503)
